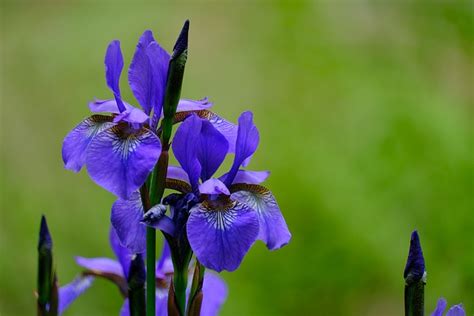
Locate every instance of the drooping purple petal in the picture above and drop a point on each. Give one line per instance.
(126, 216)
(76, 142)
(119, 159)
(159, 62)
(273, 229)
(101, 265)
(123, 255)
(193, 105)
(213, 186)
(178, 173)
(165, 264)
(185, 147)
(132, 115)
(212, 149)
(70, 292)
(248, 177)
(113, 68)
(246, 144)
(109, 105)
(214, 292)
(456, 310)
(140, 77)
(221, 235)
(415, 266)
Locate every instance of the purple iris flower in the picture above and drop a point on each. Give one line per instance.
(214, 288)
(455, 310)
(415, 266)
(121, 149)
(229, 213)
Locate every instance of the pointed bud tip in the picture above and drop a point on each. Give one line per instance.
(182, 41)
(45, 239)
(415, 266)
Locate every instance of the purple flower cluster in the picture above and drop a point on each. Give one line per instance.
(217, 219)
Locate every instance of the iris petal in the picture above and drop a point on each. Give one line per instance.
(248, 177)
(70, 292)
(76, 142)
(164, 264)
(123, 255)
(140, 77)
(132, 115)
(246, 144)
(456, 310)
(214, 294)
(159, 62)
(273, 229)
(101, 265)
(113, 69)
(109, 105)
(185, 147)
(221, 236)
(213, 186)
(119, 159)
(193, 105)
(212, 150)
(126, 216)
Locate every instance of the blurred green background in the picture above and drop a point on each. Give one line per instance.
(365, 112)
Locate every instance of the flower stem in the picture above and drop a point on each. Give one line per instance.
(180, 280)
(150, 268)
(414, 298)
(195, 296)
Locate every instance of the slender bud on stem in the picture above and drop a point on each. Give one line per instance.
(415, 278)
(136, 286)
(45, 269)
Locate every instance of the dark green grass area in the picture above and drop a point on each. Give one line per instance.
(365, 113)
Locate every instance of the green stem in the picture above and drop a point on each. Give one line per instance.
(150, 268)
(195, 296)
(180, 280)
(414, 298)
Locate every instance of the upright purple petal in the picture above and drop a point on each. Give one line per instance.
(119, 159)
(440, 307)
(193, 105)
(101, 265)
(248, 177)
(214, 292)
(159, 62)
(212, 150)
(226, 128)
(246, 144)
(140, 77)
(213, 186)
(221, 235)
(109, 105)
(76, 142)
(185, 147)
(123, 255)
(126, 216)
(273, 229)
(113, 69)
(70, 292)
(456, 310)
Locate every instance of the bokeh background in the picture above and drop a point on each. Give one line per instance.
(365, 112)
